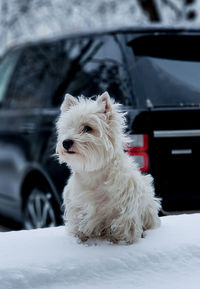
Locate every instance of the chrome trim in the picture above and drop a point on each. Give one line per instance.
(176, 133)
(167, 213)
(181, 152)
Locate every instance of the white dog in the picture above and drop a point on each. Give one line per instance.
(106, 196)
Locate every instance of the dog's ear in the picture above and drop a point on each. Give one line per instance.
(105, 101)
(68, 101)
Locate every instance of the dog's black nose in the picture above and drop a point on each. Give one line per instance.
(67, 144)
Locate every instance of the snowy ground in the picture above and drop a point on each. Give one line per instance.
(169, 257)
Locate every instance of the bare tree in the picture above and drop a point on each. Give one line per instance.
(150, 8)
(182, 9)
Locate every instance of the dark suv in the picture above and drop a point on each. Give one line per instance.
(154, 73)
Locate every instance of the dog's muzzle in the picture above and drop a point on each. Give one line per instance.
(67, 144)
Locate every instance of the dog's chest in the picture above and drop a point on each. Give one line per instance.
(91, 188)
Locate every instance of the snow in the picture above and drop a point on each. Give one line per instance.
(29, 21)
(168, 257)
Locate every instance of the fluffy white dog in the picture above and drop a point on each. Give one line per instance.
(106, 196)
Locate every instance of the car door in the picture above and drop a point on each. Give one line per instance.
(19, 122)
(7, 153)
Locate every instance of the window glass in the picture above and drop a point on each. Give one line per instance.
(95, 65)
(81, 66)
(36, 77)
(167, 82)
(7, 65)
(165, 70)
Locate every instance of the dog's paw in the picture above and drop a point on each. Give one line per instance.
(82, 237)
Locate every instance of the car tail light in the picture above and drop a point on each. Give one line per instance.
(137, 147)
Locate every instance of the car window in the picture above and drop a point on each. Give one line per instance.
(95, 65)
(36, 77)
(81, 66)
(166, 75)
(167, 82)
(7, 65)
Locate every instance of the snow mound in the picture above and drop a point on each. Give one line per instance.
(168, 257)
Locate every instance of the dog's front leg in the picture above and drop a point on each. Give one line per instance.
(128, 231)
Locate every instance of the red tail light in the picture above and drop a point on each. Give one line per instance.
(138, 147)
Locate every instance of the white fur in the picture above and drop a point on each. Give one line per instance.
(106, 196)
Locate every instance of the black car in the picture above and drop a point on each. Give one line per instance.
(154, 73)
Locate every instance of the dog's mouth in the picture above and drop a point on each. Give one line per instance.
(71, 152)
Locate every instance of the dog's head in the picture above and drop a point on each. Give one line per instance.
(90, 132)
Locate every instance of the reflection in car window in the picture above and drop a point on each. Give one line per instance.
(36, 76)
(96, 65)
(7, 65)
(83, 66)
(168, 82)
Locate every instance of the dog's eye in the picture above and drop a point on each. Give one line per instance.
(87, 128)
